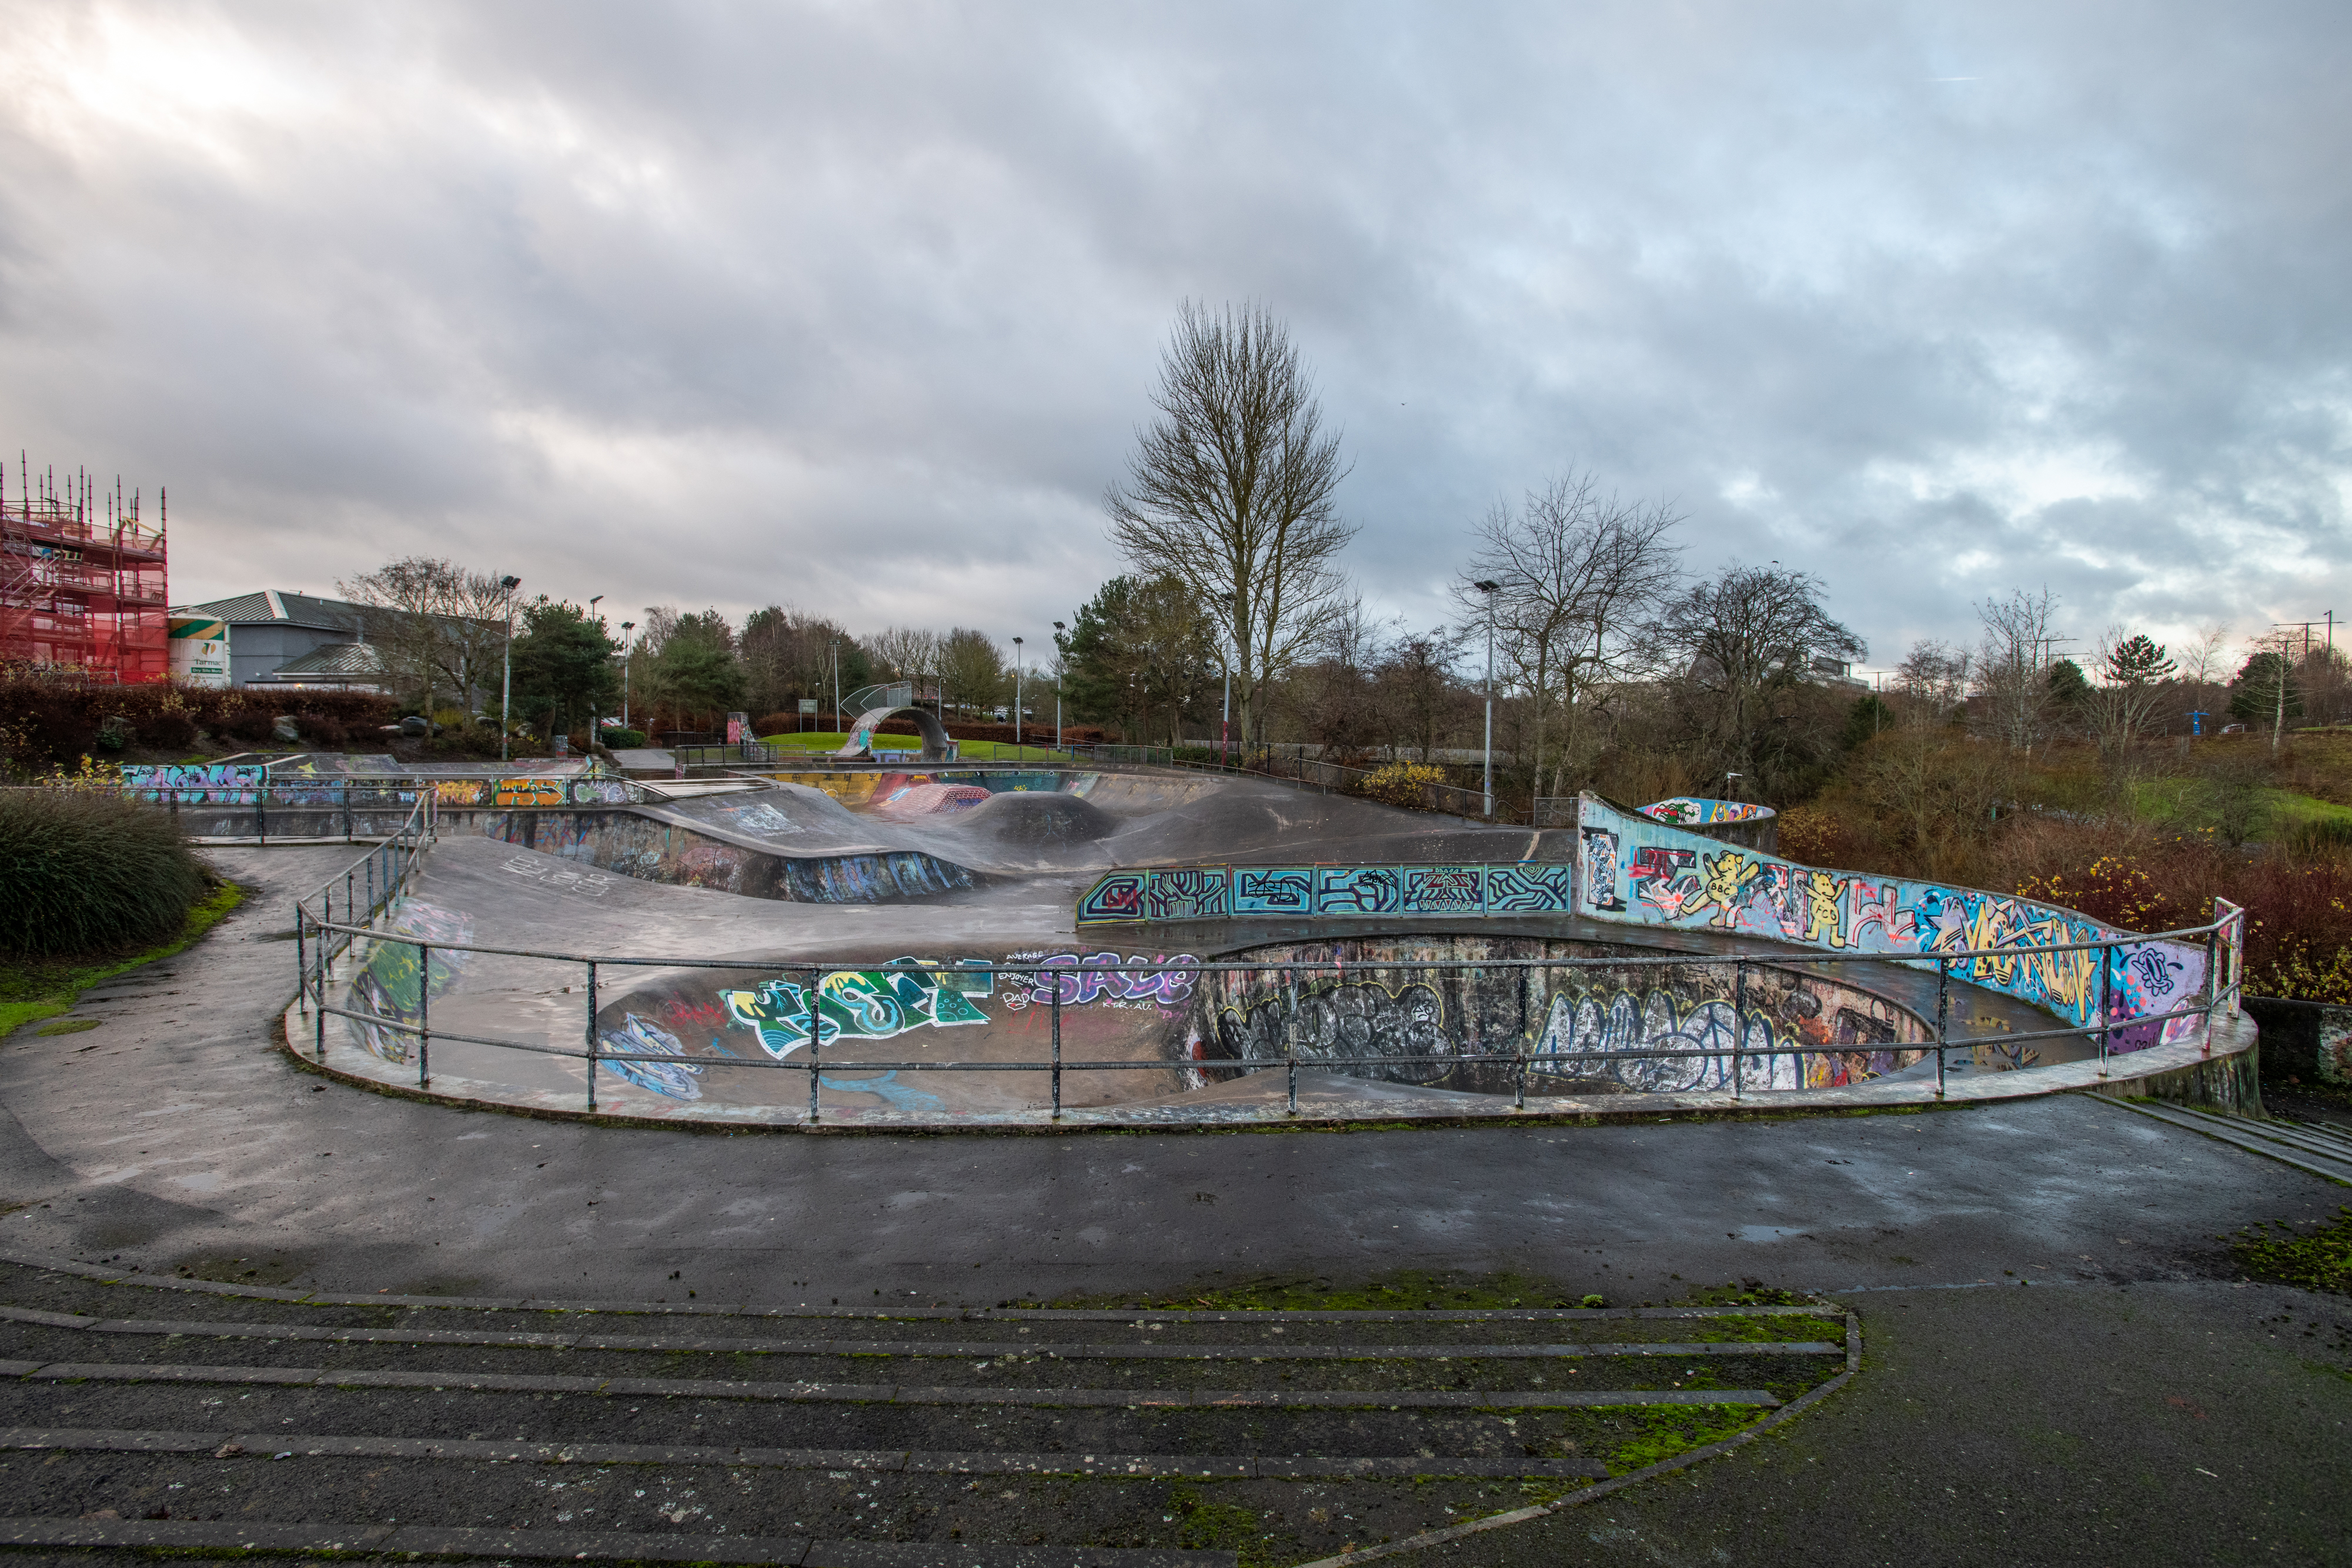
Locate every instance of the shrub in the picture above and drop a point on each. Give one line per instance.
(770, 723)
(325, 733)
(1402, 783)
(253, 725)
(618, 736)
(168, 729)
(82, 871)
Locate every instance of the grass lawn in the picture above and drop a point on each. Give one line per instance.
(968, 750)
(34, 989)
(2184, 803)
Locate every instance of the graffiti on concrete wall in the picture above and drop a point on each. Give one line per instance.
(561, 878)
(1686, 811)
(1393, 1032)
(637, 1037)
(1700, 1037)
(209, 783)
(861, 1004)
(1653, 873)
(1077, 979)
(1209, 893)
(393, 983)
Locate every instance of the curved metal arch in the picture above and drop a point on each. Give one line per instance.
(936, 746)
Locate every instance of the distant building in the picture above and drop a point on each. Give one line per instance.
(280, 639)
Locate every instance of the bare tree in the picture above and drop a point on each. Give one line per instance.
(1232, 489)
(1573, 576)
(1748, 640)
(1930, 683)
(1417, 686)
(436, 625)
(2012, 665)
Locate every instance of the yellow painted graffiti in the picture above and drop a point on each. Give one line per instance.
(1728, 876)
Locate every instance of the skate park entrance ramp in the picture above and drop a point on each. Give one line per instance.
(1013, 948)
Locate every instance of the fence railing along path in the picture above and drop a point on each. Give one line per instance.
(371, 886)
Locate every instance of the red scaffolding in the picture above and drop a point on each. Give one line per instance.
(83, 583)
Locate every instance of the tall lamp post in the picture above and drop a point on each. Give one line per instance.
(505, 687)
(626, 627)
(1058, 685)
(1488, 590)
(594, 718)
(1016, 699)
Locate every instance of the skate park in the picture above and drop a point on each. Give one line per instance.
(893, 946)
(214, 1144)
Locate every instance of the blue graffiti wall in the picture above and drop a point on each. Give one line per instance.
(1217, 892)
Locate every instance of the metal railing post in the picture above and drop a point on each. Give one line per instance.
(343, 794)
(423, 1014)
(318, 1019)
(301, 955)
(815, 1066)
(591, 1035)
(1942, 1017)
(1057, 1049)
(261, 813)
(1739, 1029)
(2106, 1003)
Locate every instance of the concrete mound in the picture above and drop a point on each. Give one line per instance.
(1038, 820)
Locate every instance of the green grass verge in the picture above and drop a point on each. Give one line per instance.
(969, 750)
(2319, 1259)
(33, 989)
(2183, 803)
(1417, 1289)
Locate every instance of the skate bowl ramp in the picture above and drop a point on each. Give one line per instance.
(894, 836)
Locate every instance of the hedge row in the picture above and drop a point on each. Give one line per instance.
(45, 722)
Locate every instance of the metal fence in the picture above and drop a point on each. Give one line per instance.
(321, 936)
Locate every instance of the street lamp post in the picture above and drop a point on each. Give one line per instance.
(626, 627)
(1016, 699)
(1058, 685)
(506, 686)
(594, 718)
(1488, 590)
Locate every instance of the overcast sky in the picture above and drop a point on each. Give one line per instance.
(857, 306)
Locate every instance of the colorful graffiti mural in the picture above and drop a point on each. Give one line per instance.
(1689, 811)
(1651, 873)
(392, 983)
(636, 1038)
(210, 783)
(1208, 893)
(861, 1004)
(1160, 981)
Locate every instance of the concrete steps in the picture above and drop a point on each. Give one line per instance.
(2322, 1150)
(186, 1415)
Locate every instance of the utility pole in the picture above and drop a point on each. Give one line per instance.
(1058, 685)
(836, 655)
(505, 687)
(1016, 699)
(1488, 589)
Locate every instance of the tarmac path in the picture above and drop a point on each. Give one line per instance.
(2133, 1400)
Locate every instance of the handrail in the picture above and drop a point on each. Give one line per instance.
(1741, 1048)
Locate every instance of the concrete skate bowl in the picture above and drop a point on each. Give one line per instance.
(1650, 970)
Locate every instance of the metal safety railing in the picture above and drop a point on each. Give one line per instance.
(320, 936)
(370, 885)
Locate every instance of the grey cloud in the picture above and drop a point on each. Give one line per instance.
(858, 307)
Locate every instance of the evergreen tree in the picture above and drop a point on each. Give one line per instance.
(563, 669)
